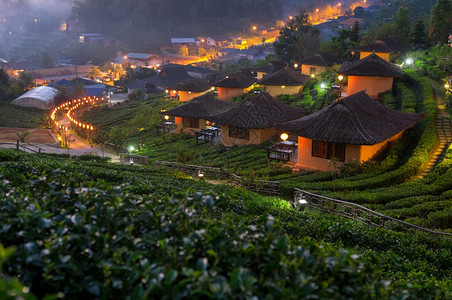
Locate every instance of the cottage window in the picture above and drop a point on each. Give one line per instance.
(328, 150)
(312, 71)
(239, 132)
(192, 123)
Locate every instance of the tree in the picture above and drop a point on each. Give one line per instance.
(359, 12)
(440, 21)
(94, 73)
(47, 60)
(402, 24)
(183, 50)
(419, 34)
(4, 84)
(298, 40)
(25, 81)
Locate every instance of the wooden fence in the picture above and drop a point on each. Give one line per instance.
(357, 213)
(255, 185)
(126, 158)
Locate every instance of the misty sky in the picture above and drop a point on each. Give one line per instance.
(18, 9)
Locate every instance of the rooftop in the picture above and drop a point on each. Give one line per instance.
(356, 119)
(260, 111)
(285, 76)
(371, 65)
(201, 107)
(236, 80)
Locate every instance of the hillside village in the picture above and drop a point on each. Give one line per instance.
(219, 165)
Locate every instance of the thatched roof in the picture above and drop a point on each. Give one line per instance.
(356, 119)
(260, 111)
(236, 80)
(201, 107)
(285, 76)
(372, 65)
(191, 85)
(324, 59)
(271, 67)
(386, 45)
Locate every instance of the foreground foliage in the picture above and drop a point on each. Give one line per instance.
(87, 230)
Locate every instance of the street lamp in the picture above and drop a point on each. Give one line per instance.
(131, 148)
(340, 77)
(295, 66)
(323, 85)
(409, 61)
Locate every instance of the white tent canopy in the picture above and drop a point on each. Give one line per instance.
(41, 97)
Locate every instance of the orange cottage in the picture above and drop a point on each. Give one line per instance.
(285, 81)
(319, 63)
(353, 128)
(372, 73)
(192, 115)
(252, 122)
(233, 85)
(189, 89)
(383, 48)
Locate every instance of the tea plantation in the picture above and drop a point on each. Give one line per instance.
(78, 229)
(387, 186)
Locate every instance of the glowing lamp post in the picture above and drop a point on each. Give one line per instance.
(201, 175)
(131, 148)
(284, 136)
(323, 85)
(447, 86)
(409, 61)
(166, 118)
(340, 77)
(295, 66)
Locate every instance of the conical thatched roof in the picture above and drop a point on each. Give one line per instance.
(191, 85)
(324, 59)
(285, 76)
(236, 80)
(201, 107)
(356, 119)
(260, 111)
(386, 45)
(372, 65)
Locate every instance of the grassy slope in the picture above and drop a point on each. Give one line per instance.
(19, 117)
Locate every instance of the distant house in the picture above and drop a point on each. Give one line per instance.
(146, 87)
(350, 22)
(252, 122)
(183, 41)
(189, 89)
(371, 73)
(169, 75)
(197, 72)
(45, 76)
(95, 38)
(319, 63)
(252, 54)
(41, 97)
(233, 85)
(90, 88)
(269, 68)
(353, 128)
(383, 48)
(193, 114)
(285, 81)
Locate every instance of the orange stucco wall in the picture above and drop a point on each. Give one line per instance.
(187, 96)
(260, 75)
(385, 56)
(178, 122)
(257, 136)
(278, 90)
(306, 69)
(227, 94)
(359, 153)
(372, 85)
